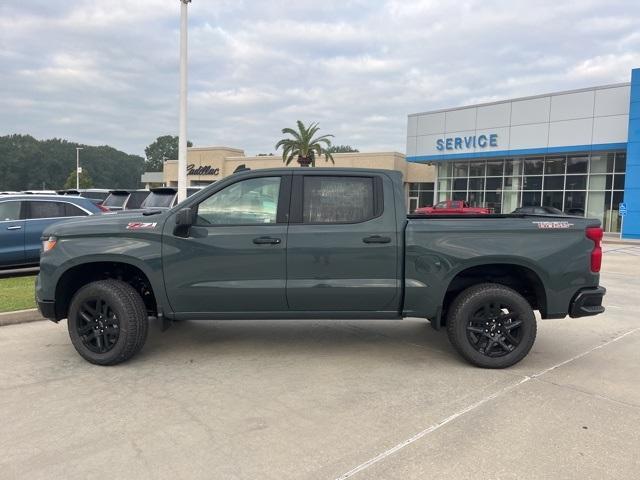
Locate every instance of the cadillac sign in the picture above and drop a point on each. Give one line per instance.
(202, 170)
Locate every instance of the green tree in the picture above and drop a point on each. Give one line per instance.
(342, 149)
(304, 146)
(84, 180)
(27, 163)
(164, 148)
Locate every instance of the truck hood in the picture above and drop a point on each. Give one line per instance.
(106, 224)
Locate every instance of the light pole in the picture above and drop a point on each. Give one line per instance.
(78, 167)
(182, 139)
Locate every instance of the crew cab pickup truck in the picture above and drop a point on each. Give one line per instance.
(319, 243)
(452, 207)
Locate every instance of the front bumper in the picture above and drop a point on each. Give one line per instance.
(587, 302)
(47, 309)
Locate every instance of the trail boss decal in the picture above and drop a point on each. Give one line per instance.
(553, 225)
(140, 225)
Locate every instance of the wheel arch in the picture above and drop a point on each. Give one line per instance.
(521, 278)
(80, 274)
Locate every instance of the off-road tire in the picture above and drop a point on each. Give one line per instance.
(463, 317)
(132, 320)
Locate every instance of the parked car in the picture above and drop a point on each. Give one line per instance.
(96, 193)
(24, 217)
(116, 199)
(536, 210)
(39, 192)
(452, 207)
(321, 243)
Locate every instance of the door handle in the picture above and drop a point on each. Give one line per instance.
(14, 227)
(266, 240)
(376, 239)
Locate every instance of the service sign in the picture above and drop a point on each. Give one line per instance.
(468, 142)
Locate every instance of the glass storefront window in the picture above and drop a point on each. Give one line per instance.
(531, 199)
(459, 196)
(532, 183)
(477, 169)
(495, 168)
(598, 182)
(512, 167)
(513, 183)
(554, 165)
(533, 166)
(554, 182)
(579, 184)
(576, 182)
(476, 184)
(578, 164)
(575, 203)
(445, 169)
(476, 199)
(494, 183)
(444, 185)
(460, 169)
(511, 201)
(460, 184)
(493, 200)
(552, 199)
(602, 163)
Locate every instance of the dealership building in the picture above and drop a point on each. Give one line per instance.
(206, 165)
(578, 151)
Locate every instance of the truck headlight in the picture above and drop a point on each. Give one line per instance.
(48, 243)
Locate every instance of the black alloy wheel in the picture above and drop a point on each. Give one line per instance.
(494, 329)
(491, 325)
(97, 325)
(107, 322)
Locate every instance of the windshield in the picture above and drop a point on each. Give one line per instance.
(156, 199)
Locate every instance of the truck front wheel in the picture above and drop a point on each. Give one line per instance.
(107, 322)
(491, 325)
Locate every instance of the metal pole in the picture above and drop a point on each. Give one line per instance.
(182, 139)
(78, 167)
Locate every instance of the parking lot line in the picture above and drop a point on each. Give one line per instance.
(474, 406)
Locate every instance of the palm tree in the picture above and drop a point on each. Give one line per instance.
(304, 145)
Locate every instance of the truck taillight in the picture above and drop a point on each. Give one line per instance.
(595, 234)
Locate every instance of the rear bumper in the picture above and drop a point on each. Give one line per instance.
(587, 302)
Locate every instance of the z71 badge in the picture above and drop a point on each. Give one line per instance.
(553, 225)
(140, 225)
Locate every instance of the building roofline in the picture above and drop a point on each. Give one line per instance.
(369, 154)
(531, 97)
(216, 147)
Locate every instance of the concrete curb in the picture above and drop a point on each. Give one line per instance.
(20, 316)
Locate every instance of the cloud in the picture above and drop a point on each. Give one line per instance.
(106, 71)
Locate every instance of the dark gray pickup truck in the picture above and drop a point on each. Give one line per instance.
(323, 244)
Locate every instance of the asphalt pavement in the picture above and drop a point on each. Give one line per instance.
(328, 400)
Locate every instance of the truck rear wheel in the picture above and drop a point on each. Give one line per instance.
(491, 326)
(107, 322)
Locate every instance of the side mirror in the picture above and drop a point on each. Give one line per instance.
(184, 221)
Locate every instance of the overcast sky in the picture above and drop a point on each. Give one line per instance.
(106, 71)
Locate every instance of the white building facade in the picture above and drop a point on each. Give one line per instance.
(568, 150)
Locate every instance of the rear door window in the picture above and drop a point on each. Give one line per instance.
(71, 210)
(338, 199)
(9, 211)
(44, 209)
